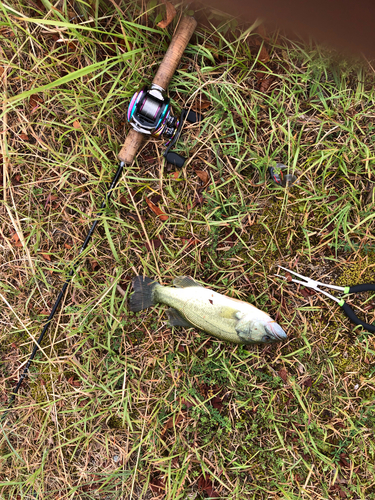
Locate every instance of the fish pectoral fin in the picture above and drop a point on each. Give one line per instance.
(230, 313)
(175, 319)
(185, 282)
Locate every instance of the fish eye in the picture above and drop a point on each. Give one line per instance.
(266, 338)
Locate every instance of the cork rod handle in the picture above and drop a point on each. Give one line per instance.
(131, 145)
(162, 78)
(174, 53)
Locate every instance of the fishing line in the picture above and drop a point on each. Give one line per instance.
(149, 114)
(61, 295)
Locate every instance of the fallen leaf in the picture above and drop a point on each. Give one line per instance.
(76, 124)
(207, 486)
(157, 211)
(46, 256)
(123, 200)
(35, 102)
(74, 382)
(203, 175)
(94, 265)
(199, 105)
(306, 292)
(283, 374)
(199, 200)
(1, 70)
(216, 402)
(265, 84)
(157, 486)
(155, 242)
(263, 54)
(342, 493)
(170, 14)
(134, 216)
(67, 246)
(190, 241)
(50, 197)
(171, 422)
(16, 179)
(308, 382)
(188, 404)
(148, 158)
(175, 175)
(16, 240)
(72, 45)
(343, 462)
(24, 137)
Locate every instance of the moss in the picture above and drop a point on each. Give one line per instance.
(43, 383)
(351, 362)
(4, 450)
(367, 394)
(115, 422)
(358, 272)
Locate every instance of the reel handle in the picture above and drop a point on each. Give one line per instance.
(174, 53)
(131, 146)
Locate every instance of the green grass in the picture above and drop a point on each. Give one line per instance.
(120, 406)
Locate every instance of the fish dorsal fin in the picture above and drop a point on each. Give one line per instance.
(185, 282)
(242, 302)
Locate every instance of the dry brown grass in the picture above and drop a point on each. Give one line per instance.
(120, 406)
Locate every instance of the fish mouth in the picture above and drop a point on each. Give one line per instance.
(274, 329)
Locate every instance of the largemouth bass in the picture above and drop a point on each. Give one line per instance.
(192, 305)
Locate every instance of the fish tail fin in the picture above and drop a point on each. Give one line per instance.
(143, 296)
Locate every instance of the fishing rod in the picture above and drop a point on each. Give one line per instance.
(149, 114)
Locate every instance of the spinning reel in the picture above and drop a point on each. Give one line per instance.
(149, 112)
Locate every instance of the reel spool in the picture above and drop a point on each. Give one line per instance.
(149, 112)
